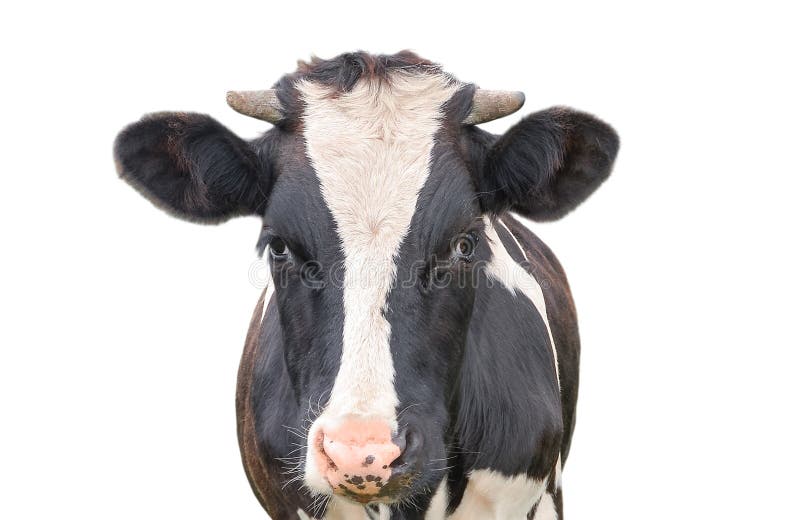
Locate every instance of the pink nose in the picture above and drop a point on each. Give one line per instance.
(356, 456)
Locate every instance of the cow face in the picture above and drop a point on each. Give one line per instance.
(373, 193)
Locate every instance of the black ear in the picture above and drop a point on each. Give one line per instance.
(191, 166)
(547, 164)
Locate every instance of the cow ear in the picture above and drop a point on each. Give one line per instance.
(547, 164)
(191, 166)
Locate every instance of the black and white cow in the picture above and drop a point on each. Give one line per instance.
(418, 355)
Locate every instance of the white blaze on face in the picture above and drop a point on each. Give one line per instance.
(371, 149)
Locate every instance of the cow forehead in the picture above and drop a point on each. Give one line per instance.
(371, 150)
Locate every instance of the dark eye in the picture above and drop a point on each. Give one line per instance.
(464, 246)
(278, 249)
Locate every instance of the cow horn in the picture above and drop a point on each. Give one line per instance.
(261, 104)
(488, 105)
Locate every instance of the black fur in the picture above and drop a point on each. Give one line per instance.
(192, 167)
(547, 164)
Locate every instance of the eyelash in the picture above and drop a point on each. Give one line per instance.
(263, 241)
(438, 271)
(269, 240)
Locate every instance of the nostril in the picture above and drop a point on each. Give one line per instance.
(325, 457)
(409, 441)
(329, 462)
(401, 440)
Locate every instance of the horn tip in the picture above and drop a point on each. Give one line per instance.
(260, 104)
(234, 99)
(489, 105)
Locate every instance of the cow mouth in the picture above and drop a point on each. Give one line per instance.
(370, 490)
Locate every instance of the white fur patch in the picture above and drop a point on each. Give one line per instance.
(493, 496)
(385, 512)
(514, 277)
(371, 150)
(546, 510)
(268, 290)
(437, 510)
(514, 238)
(558, 472)
(341, 509)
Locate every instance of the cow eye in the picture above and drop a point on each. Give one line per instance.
(278, 249)
(464, 246)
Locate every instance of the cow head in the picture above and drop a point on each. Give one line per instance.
(375, 187)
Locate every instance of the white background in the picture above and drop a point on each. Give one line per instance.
(122, 327)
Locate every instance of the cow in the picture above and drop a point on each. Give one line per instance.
(416, 354)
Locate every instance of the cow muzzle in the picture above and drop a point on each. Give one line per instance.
(361, 459)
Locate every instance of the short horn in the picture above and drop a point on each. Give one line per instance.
(488, 105)
(261, 104)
